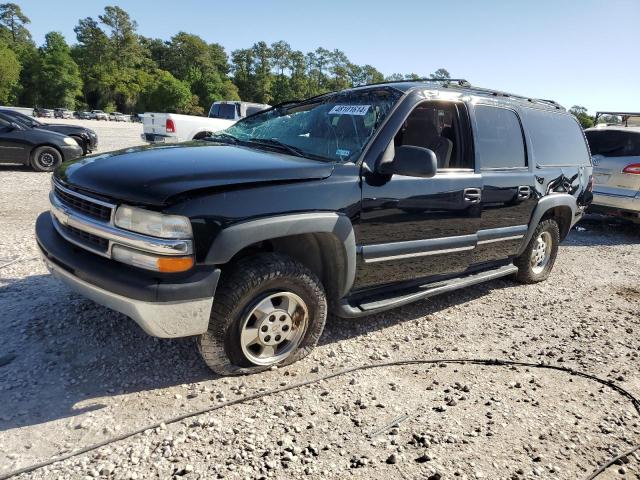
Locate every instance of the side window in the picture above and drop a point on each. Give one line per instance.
(556, 138)
(436, 126)
(499, 140)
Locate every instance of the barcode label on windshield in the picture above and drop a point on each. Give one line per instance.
(349, 110)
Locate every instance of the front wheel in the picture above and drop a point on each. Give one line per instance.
(269, 310)
(45, 159)
(536, 262)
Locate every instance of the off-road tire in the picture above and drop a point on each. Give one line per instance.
(526, 273)
(248, 280)
(37, 160)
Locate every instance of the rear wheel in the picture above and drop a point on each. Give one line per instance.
(536, 262)
(45, 159)
(269, 310)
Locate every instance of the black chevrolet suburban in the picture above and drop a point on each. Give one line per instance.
(349, 203)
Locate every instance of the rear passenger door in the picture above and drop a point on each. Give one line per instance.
(508, 196)
(12, 145)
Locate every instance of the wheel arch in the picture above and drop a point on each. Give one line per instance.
(561, 207)
(201, 134)
(324, 242)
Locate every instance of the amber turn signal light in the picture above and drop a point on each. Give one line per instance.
(174, 264)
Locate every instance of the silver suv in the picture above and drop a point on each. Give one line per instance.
(616, 166)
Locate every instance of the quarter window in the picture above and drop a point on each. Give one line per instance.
(499, 141)
(556, 138)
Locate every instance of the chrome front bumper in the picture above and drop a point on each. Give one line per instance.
(162, 319)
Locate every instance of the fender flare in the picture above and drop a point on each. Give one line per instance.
(544, 205)
(233, 239)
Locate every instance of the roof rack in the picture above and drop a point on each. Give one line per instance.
(498, 93)
(462, 83)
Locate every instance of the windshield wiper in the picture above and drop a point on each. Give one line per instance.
(225, 137)
(272, 142)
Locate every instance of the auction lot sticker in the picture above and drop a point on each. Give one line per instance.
(349, 110)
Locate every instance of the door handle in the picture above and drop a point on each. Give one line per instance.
(472, 195)
(524, 192)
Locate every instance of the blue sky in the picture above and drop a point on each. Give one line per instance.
(574, 51)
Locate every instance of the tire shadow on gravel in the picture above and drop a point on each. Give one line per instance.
(64, 353)
(15, 167)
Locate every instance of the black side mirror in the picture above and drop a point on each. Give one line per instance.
(411, 161)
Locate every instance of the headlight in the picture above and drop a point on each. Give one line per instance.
(153, 223)
(70, 141)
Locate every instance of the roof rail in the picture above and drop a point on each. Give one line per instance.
(462, 83)
(498, 93)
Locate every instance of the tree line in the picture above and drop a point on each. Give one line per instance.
(112, 67)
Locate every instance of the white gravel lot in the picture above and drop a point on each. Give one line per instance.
(73, 373)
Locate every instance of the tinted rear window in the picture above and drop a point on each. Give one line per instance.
(556, 139)
(499, 142)
(251, 110)
(223, 110)
(614, 143)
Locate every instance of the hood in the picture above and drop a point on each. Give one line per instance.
(63, 128)
(151, 175)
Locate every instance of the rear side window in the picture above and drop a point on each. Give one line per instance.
(253, 109)
(499, 141)
(614, 143)
(4, 125)
(556, 139)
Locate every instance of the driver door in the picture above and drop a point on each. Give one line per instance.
(412, 227)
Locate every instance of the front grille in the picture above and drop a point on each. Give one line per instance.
(82, 205)
(88, 239)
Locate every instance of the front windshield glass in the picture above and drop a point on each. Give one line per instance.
(333, 127)
(24, 119)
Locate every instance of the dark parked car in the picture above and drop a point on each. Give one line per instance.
(353, 202)
(85, 137)
(42, 112)
(42, 149)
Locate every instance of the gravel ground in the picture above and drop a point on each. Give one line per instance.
(73, 373)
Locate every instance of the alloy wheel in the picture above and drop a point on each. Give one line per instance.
(273, 328)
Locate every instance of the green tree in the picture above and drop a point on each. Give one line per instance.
(242, 69)
(202, 66)
(262, 78)
(12, 23)
(9, 74)
(167, 94)
(281, 62)
(59, 77)
(583, 117)
(440, 73)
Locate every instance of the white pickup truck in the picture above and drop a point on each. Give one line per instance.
(173, 128)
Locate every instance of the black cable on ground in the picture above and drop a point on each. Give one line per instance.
(473, 361)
